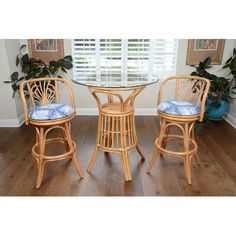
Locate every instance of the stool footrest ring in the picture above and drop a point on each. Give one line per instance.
(175, 153)
(35, 154)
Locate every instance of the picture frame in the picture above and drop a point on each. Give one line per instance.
(46, 49)
(200, 49)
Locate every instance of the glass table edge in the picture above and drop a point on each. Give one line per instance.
(104, 86)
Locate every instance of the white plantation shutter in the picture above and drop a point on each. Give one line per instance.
(110, 56)
(138, 57)
(84, 51)
(164, 56)
(132, 57)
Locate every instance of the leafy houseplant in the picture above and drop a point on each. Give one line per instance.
(36, 68)
(231, 64)
(221, 88)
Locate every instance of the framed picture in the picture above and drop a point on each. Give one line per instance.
(199, 49)
(46, 49)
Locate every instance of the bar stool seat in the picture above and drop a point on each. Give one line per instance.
(50, 111)
(179, 108)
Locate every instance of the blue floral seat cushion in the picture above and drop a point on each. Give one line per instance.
(51, 111)
(179, 108)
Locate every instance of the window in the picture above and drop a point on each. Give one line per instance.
(131, 57)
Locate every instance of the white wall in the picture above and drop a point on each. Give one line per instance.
(10, 109)
(12, 49)
(145, 102)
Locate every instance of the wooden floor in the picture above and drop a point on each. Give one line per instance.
(215, 176)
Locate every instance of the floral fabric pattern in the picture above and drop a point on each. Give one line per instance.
(179, 108)
(51, 111)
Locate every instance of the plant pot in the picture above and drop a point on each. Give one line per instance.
(217, 113)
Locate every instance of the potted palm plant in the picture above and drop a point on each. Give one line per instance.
(36, 68)
(221, 90)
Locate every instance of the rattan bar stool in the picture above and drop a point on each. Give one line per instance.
(182, 112)
(47, 114)
(116, 125)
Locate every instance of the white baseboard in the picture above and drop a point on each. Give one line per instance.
(94, 111)
(145, 111)
(86, 111)
(9, 123)
(12, 122)
(230, 119)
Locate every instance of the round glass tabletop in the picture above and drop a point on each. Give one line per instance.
(116, 81)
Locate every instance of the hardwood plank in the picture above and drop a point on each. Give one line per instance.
(215, 176)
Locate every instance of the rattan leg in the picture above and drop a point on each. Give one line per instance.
(73, 156)
(65, 140)
(187, 168)
(165, 138)
(37, 132)
(77, 166)
(41, 166)
(123, 165)
(187, 159)
(99, 134)
(41, 163)
(37, 145)
(140, 153)
(196, 155)
(92, 161)
(123, 146)
(156, 151)
(153, 160)
(126, 166)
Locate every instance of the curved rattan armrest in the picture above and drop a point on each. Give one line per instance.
(162, 86)
(24, 102)
(71, 93)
